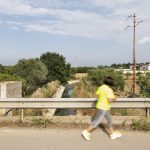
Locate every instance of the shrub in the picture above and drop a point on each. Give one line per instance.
(144, 83)
(98, 75)
(33, 71)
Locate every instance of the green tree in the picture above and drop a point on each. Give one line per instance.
(98, 75)
(144, 83)
(2, 68)
(33, 71)
(57, 67)
(8, 77)
(9, 70)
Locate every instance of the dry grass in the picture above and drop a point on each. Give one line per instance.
(79, 76)
(85, 90)
(48, 91)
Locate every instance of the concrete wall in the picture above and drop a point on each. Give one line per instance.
(58, 94)
(11, 89)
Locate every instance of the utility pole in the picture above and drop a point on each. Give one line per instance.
(134, 55)
(135, 23)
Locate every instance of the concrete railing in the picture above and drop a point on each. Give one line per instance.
(50, 103)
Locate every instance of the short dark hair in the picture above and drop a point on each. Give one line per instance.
(109, 81)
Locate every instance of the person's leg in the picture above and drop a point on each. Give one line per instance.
(108, 117)
(90, 128)
(96, 121)
(113, 134)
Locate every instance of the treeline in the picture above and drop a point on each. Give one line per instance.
(36, 72)
(81, 69)
(86, 69)
(126, 65)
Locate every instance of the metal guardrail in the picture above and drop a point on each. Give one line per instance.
(70, 103)
(53, 103)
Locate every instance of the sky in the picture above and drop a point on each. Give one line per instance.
(85, 32)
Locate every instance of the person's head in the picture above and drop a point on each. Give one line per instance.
(109, 81)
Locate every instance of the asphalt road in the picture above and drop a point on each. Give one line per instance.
(69, 139)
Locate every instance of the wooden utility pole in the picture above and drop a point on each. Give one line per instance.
(134, 55)
(135, 23)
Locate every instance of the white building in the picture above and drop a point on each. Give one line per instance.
(141, 67)
(145, 67)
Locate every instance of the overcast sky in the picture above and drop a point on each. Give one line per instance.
(85, 32)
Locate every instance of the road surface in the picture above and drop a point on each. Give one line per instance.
(69, 139)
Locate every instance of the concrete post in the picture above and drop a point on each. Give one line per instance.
(10, 89)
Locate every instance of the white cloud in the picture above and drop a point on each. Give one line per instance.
(61, 17)
(19, 7)
(144, 40)
(84, 26)
(112, 3)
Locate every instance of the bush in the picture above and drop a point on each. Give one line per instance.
(33, 71)
(144, 83)
(98, 75)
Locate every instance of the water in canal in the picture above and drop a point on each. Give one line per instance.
(67, 94)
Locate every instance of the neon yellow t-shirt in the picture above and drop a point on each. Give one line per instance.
(104, 92)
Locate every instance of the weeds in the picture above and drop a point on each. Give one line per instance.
(48, 91)
(43, 123)
(141, 124)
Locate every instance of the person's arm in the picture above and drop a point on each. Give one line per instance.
(97, 94)
(111, 96)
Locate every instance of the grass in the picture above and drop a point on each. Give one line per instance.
(84, 89)
(141, 124)
(47, 91)
(79, 76)
(128, 112)
(42, 123)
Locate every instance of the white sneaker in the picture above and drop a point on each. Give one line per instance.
(86, 135)
(115, 135)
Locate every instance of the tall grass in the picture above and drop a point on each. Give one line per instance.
(48, 91)
(84, 89)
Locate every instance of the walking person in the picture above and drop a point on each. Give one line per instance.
(103, 105)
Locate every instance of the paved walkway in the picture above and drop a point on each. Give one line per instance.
(69, 139)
